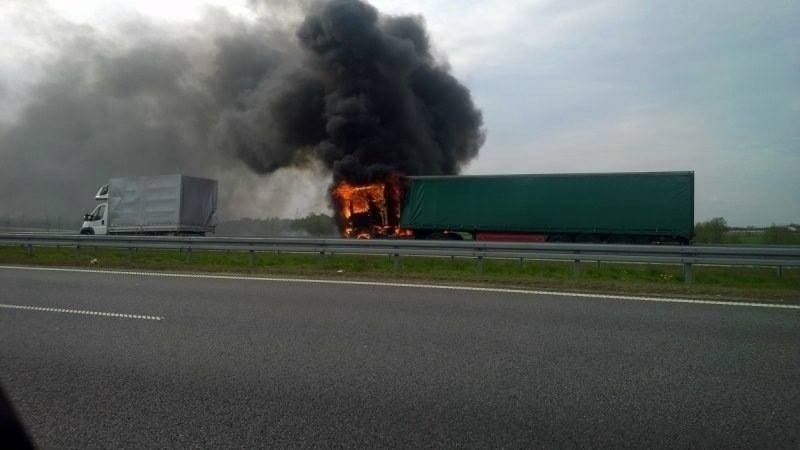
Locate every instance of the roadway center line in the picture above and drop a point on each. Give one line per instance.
(79, 311)
(409, 285)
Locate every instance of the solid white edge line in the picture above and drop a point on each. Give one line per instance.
(408, 285)
(80, 311)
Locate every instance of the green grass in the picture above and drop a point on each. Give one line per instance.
(745, 283)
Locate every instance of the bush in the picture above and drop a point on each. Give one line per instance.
(710, 232)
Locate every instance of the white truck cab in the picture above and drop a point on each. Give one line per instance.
(96, 221)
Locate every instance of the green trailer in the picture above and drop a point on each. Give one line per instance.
(639, 207)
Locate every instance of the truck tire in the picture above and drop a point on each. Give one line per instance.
(87, 231)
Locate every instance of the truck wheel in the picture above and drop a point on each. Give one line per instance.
(87, 231)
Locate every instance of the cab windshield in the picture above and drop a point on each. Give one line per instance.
(98, 212)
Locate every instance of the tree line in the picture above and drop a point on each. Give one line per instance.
(717, 231)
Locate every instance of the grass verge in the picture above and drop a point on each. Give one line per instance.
(728, 283)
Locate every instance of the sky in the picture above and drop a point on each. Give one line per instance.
(568, 86)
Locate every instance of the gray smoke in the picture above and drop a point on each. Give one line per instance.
(332, 87)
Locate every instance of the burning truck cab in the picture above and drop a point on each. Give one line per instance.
(370, 210)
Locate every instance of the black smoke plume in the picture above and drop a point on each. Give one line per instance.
(332, 86)
(369, 99)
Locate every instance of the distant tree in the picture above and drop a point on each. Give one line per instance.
(711, 231)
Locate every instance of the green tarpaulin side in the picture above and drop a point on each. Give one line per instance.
(616, 203)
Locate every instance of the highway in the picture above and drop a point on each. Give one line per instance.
(109, 360)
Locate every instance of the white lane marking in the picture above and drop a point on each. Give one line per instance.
(410, 285)
(80, 311)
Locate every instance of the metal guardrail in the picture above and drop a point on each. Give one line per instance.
(687, 256)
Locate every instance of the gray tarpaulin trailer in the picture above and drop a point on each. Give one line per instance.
(164, 204)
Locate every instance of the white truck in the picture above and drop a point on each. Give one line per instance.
(154, 205)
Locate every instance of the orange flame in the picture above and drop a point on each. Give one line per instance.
(370, 210)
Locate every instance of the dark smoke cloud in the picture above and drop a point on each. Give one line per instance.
(369, 99)
(332, 82)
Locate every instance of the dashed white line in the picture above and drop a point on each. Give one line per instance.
(410, 285)
(79, 311)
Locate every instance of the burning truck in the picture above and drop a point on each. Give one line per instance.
(394, 127)
(370, 210)
(645, 207)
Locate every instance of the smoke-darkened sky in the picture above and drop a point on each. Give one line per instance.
(568, 86)
(334, 89)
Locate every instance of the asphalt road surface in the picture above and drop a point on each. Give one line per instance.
(198, 362)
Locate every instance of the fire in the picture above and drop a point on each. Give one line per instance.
(370, 210)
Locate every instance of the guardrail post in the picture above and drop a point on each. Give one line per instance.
(322, 257)
(188, 254)
(780, 271)
(479, 264)
(252, 257)
(130, 254)
(576, 267)
(30, 249)
(687, 272)
(395, 262)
